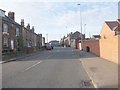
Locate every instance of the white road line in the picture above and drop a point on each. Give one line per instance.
(32, 66)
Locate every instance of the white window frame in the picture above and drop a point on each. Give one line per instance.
(17, 31)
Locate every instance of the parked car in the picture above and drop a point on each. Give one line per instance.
(49, 47)
(52, 47)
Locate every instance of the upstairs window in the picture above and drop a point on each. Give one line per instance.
(17, 32)
(5, 28)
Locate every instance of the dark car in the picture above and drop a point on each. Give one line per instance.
(52, 47)
(49, 47)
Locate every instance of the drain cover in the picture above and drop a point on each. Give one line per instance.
(86, 83)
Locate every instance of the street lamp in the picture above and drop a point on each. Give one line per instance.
(84, 29)
(80, 25)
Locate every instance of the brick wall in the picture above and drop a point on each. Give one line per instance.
(119, 49)
(109, 44)
(93, 46)
(109, 48)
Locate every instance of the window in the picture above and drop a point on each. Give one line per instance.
(5, 28)
(5, 41)
(117, 33)
(17, 32)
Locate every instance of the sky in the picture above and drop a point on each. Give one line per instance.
(57, 18)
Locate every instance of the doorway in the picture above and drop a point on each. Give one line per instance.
(88, 49)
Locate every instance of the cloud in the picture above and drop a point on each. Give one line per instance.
(60, 1)
(53, 17)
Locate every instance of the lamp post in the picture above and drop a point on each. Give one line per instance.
(84, 29)
(80, 25)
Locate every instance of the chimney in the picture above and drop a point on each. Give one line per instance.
(28, 26)
(22, 22)
(11, 15)
(33, 29)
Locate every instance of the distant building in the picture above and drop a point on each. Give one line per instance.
(43, 41)
(72, 39)
(96, 37)
(40, 40)
(54, 43)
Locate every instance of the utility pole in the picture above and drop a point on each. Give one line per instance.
(84, 29)
(80, 25)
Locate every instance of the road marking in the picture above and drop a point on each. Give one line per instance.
(32, 66)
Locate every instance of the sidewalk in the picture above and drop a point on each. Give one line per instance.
(5, 60)
(103, 73)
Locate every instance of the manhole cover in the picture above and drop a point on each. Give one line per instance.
(86, 83)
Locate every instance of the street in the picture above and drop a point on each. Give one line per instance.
(57, 68)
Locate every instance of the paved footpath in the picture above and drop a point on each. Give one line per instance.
(18, 57)
(103, 73)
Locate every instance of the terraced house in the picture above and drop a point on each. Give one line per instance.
(11, 33)
(16, 37)
(31, 40)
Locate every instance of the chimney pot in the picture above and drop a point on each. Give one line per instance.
(11, 15)
(22, 22)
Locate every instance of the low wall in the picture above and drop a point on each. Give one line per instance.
(28, 49)
(90, 46)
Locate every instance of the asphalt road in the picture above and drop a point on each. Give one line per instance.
(58, 68)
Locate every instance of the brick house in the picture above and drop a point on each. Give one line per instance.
(110, 41)
(11, 33)
(108, 46)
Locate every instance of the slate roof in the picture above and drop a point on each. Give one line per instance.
(112, 24)
(6, 18)
(96, 36)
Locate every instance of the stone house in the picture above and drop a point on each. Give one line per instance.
(11, 33)
(17, 37)
(31, 40)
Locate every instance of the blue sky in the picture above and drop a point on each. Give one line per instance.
(53, 17)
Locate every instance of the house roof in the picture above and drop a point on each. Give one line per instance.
(6, 18)
(112, 24)
(96, 36)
